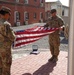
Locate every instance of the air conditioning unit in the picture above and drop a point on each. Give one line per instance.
(41, 4)
(26, 2)
(41, 20)
(17, 0)
(18, 23)
(26, 22)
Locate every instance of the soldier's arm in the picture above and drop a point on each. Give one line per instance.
(47, 23)
(9, 32)
(61, 22)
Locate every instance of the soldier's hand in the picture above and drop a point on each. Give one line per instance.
(7, 27)
(45, 26)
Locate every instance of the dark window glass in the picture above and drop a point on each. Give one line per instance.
(35, 15)
(27, 16)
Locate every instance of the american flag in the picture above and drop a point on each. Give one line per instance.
(24, 37)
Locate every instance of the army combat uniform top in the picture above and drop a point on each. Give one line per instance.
(6, 39)
(54, 40)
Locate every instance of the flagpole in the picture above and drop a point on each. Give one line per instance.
(71, 40)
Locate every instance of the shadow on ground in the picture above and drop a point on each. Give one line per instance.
(64, 41)
(62, 35)
(27, 74)
(45, 69)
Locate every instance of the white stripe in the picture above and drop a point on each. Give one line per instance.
(36, 29)
(41, 29)
(27, 40)
(26, 35)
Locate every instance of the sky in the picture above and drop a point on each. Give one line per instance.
(64, 2)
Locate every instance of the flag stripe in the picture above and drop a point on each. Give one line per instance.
(31, 36)
(24, 43)
(24, 37)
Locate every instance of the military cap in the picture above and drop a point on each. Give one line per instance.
(52, 11)
(6, 9)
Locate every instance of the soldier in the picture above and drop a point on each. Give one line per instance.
(66, 31)
(6, 39)
(54, 40)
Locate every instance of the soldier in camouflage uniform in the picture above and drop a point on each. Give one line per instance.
(6, 39)
(54, 40)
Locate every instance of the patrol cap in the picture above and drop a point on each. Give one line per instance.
(5, 9)
(52, 11)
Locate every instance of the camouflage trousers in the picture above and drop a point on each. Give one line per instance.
(54, 42)
(5, 62)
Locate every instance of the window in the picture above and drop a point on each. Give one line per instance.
(47, 14)
(17, 16)
(41, 1)
(34, 15)
(63, 13)
(26, 15)
(26, 1)
(41, 15)
(41, 4)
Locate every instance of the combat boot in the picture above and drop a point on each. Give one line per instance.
(55, 59)
(51, 59)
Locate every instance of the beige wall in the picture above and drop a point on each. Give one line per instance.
(47, 7)
(66, 19)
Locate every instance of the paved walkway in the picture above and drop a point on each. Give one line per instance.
(39, 65)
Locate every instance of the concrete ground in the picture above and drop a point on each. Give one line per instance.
(39, 65)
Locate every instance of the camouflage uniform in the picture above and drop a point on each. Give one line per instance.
(66, 31)
(54, 39)
(6, 40)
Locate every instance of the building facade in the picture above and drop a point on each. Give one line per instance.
(62, 10)
(65, 10)
(25, 11)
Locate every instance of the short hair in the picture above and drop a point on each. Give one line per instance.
(52, 11)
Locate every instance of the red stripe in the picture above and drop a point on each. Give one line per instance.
(28, 37)
(34, 32)
(19, 44)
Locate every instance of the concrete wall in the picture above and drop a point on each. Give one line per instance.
(65, 10)
(66, 19)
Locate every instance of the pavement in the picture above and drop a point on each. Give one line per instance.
(39, 65)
